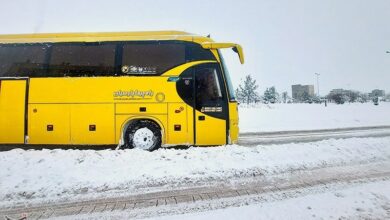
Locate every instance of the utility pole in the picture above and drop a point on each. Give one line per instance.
(318, 84)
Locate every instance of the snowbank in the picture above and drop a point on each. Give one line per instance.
(283, 117)
(43, 175)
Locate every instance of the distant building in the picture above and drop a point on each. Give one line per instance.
(301, 92)
(377, 93)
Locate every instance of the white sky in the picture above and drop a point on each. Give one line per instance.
(285, 41)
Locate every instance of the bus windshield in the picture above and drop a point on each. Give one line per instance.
(232, 96)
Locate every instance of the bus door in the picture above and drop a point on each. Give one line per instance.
(211, 107)
(12, 110)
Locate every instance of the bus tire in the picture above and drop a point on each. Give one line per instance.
(143, 134)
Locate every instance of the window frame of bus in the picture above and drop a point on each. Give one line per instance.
(191, 54)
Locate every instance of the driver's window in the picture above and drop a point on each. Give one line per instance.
(208, 89)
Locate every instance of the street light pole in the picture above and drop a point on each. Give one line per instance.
(318, 84)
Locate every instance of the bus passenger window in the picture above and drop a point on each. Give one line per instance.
(22, 60)
(152, 58)
(79, 59)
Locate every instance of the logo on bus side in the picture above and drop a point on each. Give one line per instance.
(133, 94)
(138, 69)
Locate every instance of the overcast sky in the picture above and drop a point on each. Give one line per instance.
(285, 42)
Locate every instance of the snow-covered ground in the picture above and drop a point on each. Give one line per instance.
(283, 117)
(363, 201)
(42, 176)
(51, 175)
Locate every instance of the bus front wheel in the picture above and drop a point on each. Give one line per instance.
(143, 134)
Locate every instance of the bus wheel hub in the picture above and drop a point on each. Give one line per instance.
(143, 139)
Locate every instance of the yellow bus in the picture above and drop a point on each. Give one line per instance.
(133, 89)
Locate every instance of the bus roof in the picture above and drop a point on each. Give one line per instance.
(102, 36)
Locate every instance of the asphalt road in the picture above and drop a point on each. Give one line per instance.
(282, 137)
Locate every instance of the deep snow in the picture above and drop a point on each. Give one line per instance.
(34, 176)
(283, 117)
(42, 175)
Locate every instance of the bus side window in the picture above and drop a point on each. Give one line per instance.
(201, 87)
(208, 89)
(22, 60)
(152, 58)
(79, 59)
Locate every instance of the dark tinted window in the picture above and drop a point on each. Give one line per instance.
(82, 60)
(207, 92)
(196, 52)
(152, 58)
(156, 57)
(185, 86)
(208, 87)
(22, 60)
(97, 59)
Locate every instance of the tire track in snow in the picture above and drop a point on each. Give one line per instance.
(238, 188)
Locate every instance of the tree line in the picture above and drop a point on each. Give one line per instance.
(349, 96)
(247, 92)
